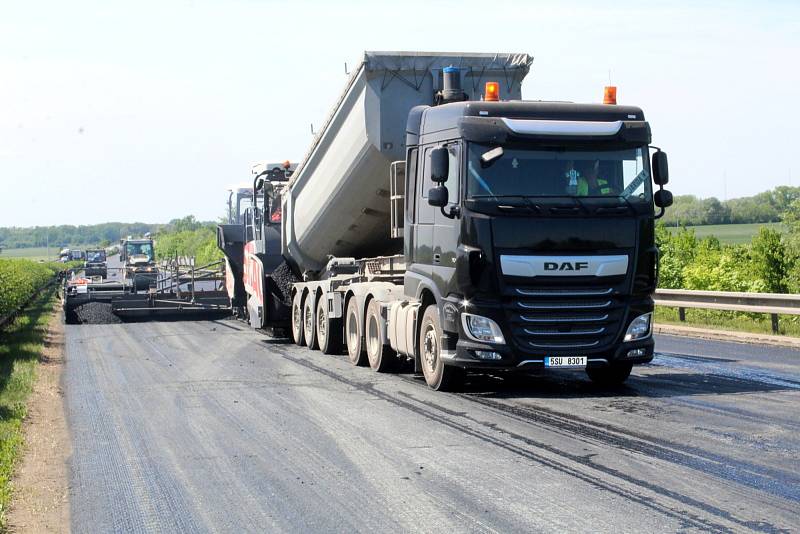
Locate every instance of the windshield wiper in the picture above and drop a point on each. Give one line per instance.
(527, 201)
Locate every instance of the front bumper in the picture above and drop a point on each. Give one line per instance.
(464, 352)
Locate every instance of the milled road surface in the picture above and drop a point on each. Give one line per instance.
(208, 426)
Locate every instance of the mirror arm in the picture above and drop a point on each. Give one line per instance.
(661, 209)
(452, 211)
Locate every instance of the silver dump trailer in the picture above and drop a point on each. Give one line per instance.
(337, 203)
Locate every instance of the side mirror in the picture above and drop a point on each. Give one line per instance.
(662, 198)
(660, 168)
(437, 196)
(439, 165)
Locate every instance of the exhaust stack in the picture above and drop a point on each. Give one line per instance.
(451, 86)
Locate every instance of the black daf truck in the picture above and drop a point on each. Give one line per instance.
(515, 235)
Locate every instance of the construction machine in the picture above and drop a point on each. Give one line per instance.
(256, 275)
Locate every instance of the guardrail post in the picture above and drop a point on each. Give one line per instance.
(682, 314)
(774, 317)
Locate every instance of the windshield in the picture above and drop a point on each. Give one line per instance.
(509, 171)
(95, 256)
(143, 249)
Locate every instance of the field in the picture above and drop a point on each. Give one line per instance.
(33, 253)
(733, 234)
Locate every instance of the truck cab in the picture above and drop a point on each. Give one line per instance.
(138, 263)
(530, 225)
(95, 264)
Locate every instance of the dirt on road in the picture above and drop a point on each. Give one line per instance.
(41, 487)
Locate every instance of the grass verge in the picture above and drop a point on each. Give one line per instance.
(731, 234)
(20, 347)
(757, 323)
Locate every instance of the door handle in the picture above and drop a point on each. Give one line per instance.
(437, 258)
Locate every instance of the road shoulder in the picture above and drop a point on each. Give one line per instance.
(727, 335)
(41, 480)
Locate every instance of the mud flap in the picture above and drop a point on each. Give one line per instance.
(256, 312)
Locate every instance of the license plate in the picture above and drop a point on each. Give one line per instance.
(565, 361)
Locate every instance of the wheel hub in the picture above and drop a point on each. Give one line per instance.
(430, 349)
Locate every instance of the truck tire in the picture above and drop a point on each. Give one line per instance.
(329, 331)
(309, 325)
(615, 374)
(354, 335)
(438, 376)
(297, 320)
(381, 357)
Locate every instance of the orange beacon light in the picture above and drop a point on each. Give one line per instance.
(610, 94)
(492, 92)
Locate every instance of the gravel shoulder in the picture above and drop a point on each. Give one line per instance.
(41, 489)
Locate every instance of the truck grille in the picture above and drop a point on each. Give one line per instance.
(563, 319)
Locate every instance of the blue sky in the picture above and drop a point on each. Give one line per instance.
(148, 110)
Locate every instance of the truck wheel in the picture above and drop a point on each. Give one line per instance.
(297, 320)
(329, 331)
(381, 357)
(354, 335)
(438, 376)
(613, 375)
(309, 326)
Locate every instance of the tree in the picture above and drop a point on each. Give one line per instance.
(769, 260)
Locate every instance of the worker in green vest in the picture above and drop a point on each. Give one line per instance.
(590, 183)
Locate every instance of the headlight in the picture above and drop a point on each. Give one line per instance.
(640, 328)
(481, 329)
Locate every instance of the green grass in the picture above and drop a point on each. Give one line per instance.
(757, 323)
(20, 348)
(732, 234)
(33, 253)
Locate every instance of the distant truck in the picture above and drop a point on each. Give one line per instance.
(76, 255)
(95, 264)
(138, 263)
(440, 219)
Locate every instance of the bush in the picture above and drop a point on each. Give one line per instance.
(768, 264)
(20, 279)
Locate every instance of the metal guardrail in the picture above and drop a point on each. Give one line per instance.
(772, 303)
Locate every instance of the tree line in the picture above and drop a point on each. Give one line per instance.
(769, 206)
(89, 235)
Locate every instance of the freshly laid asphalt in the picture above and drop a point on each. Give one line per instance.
(211, 427)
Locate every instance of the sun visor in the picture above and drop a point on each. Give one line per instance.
(504, 130)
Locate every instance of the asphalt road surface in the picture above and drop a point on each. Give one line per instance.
(208, 426)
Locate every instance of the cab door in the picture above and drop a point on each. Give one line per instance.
(419, 250)
(445, 229)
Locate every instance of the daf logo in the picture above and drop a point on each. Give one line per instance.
(566, 266)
